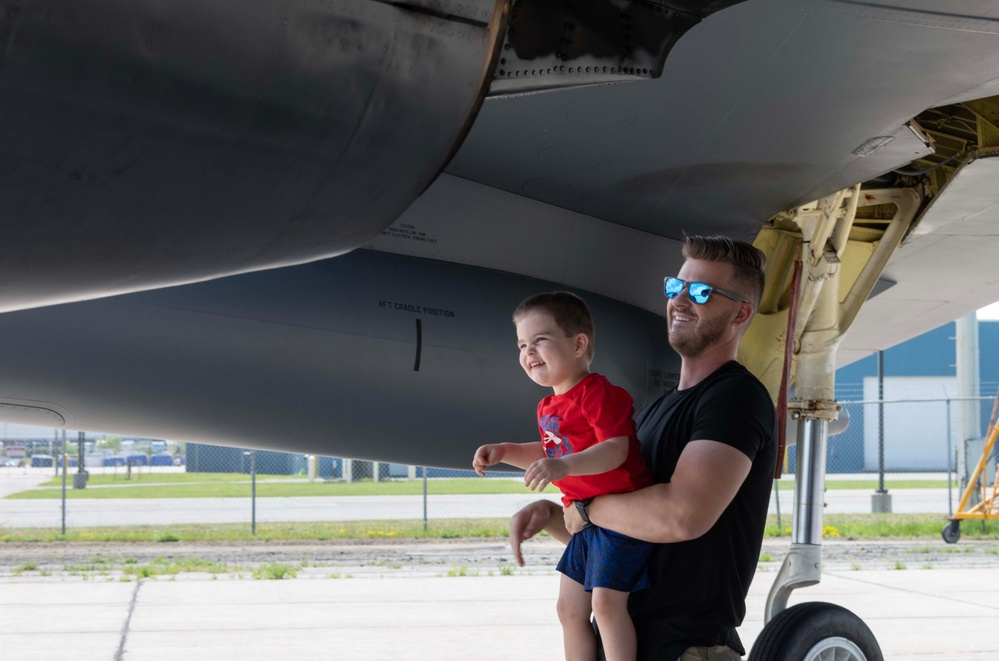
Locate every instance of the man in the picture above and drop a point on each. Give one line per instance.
(711, 446)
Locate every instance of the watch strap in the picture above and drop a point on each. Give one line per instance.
(581, 506)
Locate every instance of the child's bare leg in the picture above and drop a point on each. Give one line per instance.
(574, 614)
(617, 631)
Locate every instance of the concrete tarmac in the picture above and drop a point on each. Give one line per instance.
(426, 613)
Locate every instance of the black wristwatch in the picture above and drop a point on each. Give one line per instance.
(583, 514)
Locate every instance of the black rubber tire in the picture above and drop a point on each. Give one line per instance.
(795, 633)
(952, 531)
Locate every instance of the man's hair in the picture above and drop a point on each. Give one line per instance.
(569, 312)
(746, 259)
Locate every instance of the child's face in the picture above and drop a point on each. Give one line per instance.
(548, 356)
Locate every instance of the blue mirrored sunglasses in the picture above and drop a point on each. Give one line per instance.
(697, 291)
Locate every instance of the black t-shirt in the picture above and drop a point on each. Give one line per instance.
(699, 587)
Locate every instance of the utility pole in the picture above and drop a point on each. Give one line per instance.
(969, 409)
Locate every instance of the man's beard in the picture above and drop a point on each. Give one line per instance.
(707, 333)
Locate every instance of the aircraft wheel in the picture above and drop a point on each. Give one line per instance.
(952, 531)
(816, 631)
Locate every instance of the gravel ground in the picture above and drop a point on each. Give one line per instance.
(409, 557)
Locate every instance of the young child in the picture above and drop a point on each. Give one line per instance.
(588, 447)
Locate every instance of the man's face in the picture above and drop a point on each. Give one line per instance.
(694, 328)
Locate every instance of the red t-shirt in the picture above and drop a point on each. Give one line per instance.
(590, 412)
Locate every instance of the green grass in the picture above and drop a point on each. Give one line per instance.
(319, 531)
(104, 479)
(162, 566)
(886, 526)
(272, 487)
(462, 571)
(274, 571)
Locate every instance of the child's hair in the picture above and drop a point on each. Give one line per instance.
(746, 259)
(569, 311)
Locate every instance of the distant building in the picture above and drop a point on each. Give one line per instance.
(916, 433)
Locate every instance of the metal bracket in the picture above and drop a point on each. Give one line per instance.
(811, 408)
(802, 567)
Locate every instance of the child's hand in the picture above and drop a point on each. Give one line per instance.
(543, 472)
(486, 456)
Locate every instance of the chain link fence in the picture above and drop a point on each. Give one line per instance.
(919, 452)
(910, 449)
(86, 484)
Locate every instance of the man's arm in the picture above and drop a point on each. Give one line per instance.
(532, 519)
(600, 458)
(706, 479)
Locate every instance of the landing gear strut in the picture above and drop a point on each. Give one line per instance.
(828, 304)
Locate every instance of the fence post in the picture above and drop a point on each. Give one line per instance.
(81, 475)
(950, 494)
(65, 469)
(253, 490)
(424, 499)
(780, 527)
(881, 499)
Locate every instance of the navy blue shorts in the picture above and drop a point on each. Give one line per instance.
(598, 558)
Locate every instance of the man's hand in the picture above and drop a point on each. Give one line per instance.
(573, 521)
(543, 472)
(486, 456)
(527, 523)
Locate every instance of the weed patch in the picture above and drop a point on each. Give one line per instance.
(274, 571)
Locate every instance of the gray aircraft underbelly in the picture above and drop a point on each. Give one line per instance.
(370, 355)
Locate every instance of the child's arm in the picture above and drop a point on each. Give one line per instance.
(600, 458)
(520, 455)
